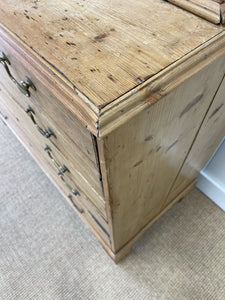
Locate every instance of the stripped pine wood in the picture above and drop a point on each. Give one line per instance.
(211, 10)
(146, 153)
(106, 48)
(85, 111)
(29, 137)
(222, 8)
(124, 108)
(46, 105)
(209, 136)
(89, 184)
(125, 250)
(132, 92)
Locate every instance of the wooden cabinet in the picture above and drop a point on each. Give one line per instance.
(121, 104)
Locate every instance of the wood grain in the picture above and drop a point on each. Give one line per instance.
(106, 48)
(222, 8)
(127, 248)
(81, 107)
(127, 106)
(208, 9)
(68, 149)
(93, 216)
(209, 136)
(132, 93)
(143, 156)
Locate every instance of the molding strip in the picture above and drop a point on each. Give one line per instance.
(211, 10)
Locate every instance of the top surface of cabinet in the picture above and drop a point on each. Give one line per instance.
(106, 48)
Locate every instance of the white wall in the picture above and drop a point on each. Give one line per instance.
(212, 177)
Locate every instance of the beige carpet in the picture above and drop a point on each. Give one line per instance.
(46, 252)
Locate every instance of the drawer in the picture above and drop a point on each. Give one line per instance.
(49, 158)
(45, 113)
(48, 106)
(31, 133)
(75, 195)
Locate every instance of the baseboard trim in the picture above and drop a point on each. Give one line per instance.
(211, 189)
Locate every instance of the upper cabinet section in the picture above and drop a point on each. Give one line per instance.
(211, 10)
(106, 48)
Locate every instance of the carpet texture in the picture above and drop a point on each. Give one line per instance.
(47, 252)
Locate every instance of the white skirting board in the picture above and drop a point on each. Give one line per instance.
(211, 180)
(211, 189)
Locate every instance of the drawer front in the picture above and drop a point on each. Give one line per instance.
(50, 159)
(55, 125)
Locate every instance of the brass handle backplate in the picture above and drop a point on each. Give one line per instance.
(61, 170)
(46, 133)
(23, 86)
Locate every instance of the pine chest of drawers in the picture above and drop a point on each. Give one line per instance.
(121, 103)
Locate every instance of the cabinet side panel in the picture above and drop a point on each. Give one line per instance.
(144, 156)
(210, 135)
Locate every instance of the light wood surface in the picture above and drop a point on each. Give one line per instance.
(94, 216)
(210, 10)
(127, 247)
(131, 91)
(127, 106)
(143, 156)
(106, 48)
(85, 111)
(75, 177)
(71, 139)
(208, 138)
(222, 7)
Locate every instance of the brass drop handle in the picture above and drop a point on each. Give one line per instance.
(23, 86)
(46, 133)
(81, 211)
(61, 170)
